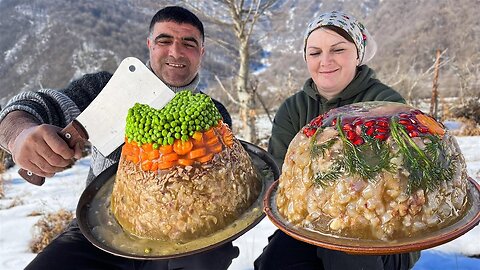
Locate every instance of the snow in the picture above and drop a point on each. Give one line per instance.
(62, 191)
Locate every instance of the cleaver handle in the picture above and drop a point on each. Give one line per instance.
(73, 133)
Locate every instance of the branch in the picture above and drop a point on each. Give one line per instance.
(226, 92)
(264, 106)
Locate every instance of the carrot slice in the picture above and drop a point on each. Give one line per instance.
(185, 161)
(197, 136)
(146, 165)
(129, 158)
(154, 154)
(433, 126)
(212, 141)
(170, 157)
(147, 147)
(205, 158)
(197, 153)
(135, 149)
(165, 149)
(209, 133)
(165, 164)
(216, 148)
(182, 148)
(198, 143)
(143, 156)
(154, 166)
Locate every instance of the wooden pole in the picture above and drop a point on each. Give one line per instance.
(434, 100)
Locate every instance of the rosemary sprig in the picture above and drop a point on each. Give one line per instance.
(332, 174)
(426, 168)
(317, 149)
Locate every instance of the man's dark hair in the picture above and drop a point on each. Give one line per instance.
(179, 15)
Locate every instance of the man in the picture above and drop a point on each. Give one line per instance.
(30, 123)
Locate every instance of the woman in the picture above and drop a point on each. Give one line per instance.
(336, 48)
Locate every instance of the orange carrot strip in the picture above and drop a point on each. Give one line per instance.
(135, 149)
(197, 153)
(146, 165)
(228, 139)
(433, 126)
(216, 148)
(170, 157)
(147, 147)
(185, 161)
(165, 165)
(197, 136)
(212, 141)
(165, 149)
(154, 166)
(154, 154)
(198, 143)
(209, 133)
(205, 158)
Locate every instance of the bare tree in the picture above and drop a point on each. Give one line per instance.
(468, 73)
(242, 17)
(407, 81)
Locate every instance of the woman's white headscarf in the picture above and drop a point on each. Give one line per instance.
(366, 46)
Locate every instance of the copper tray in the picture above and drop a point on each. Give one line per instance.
(470, 219)
(102, 230)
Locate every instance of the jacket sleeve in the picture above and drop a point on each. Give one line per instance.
(227, 119)
(283, 132)
(59, 107)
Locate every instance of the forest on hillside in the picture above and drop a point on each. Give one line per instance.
(51, 42)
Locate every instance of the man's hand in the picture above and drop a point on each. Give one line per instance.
(41, 150)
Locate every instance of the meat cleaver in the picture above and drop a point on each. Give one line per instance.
(103, 121)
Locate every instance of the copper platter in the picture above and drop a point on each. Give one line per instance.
(102, 230)
(470, 219)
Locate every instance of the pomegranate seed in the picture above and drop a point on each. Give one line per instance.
(410, 127)
(370, 131)
(381, 136)
(309, 131)
(381, 130)
(351, 135)
(382, 123)
(334, 122)
(317, 121)
(413, 133)
(404, 121)
(369, 123)
(404, 115)
(347, 127)
(423, 129)
(358, 141)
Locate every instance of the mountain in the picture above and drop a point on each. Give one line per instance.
(47, 43)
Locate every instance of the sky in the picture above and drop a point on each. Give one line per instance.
(63, 191)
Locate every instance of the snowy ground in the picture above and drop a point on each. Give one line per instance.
(62, 191)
